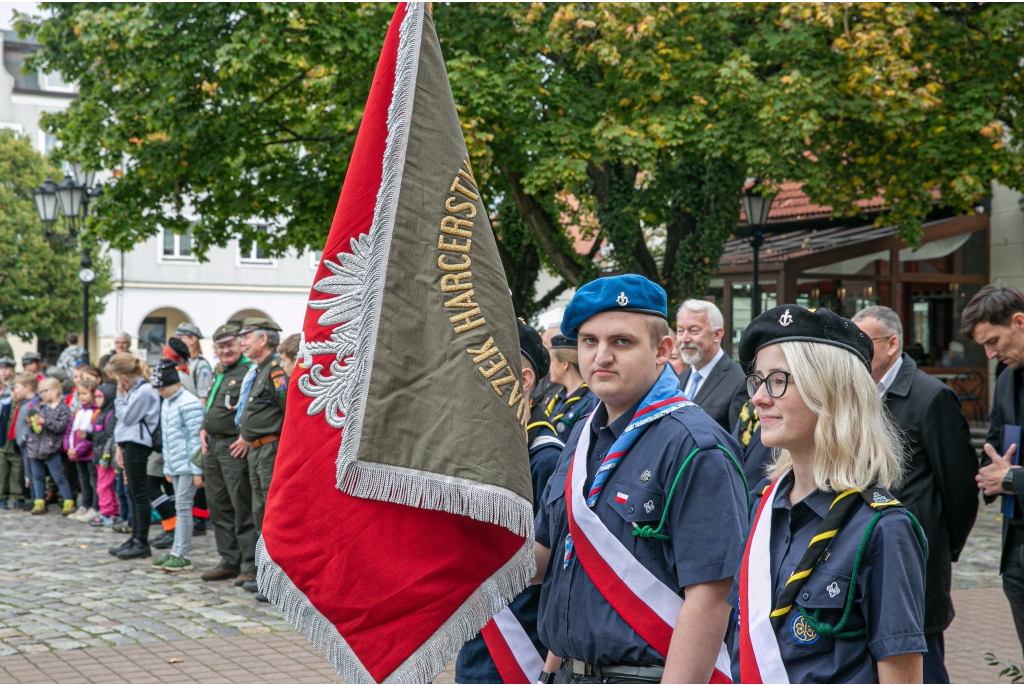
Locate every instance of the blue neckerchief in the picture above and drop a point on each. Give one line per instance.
(663, 399)
(243, 396)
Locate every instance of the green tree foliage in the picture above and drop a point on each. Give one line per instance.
(39, 289)
(634, 123)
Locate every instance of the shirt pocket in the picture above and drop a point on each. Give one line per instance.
(635, 503)
(825, 593)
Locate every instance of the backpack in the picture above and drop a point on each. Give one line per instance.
(156, 435)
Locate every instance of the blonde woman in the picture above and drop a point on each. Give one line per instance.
(137, 406)
(831, 587)
(576, 402)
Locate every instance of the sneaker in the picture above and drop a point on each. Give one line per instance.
(39, 507)
(164, 540)
(3, 504)
(176, 564)
(77, 516)
(220, 573)
(122, 526)
(19, 505)
(135, 550)
(161, 560)
(260, 597)
(89, 515)
(199, 528)
(101, 520)
(68, 508)
(250, 586)
(116, 549)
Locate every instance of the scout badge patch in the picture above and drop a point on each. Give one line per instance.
(405, 425)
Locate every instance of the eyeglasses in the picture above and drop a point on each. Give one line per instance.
(777, 381)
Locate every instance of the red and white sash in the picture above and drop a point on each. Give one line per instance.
(512, 649)
(649, 606)
(760, 658)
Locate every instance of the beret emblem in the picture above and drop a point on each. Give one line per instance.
(622, 299)
(785, 319)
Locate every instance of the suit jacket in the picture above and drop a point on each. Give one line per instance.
(1006, 410)
(723, 394)
(939, 488)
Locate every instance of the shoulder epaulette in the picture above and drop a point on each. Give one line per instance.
(880, 498)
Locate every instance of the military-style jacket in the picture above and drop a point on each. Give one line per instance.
(263, 414)
(223, 399)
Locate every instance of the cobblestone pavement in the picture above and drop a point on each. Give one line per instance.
(70, 612)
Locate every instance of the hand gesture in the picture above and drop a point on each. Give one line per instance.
(198, 481)
(990, 477)
(239, 448)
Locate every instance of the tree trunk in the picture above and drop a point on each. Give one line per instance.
(544, 229)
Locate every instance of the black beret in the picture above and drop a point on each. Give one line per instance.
(179, 347)
(533, 349)
(560, 341)
(790, 322)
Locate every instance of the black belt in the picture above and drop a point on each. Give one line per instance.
(215, 436)
(644, 673)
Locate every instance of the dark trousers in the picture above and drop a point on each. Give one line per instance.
(87, 479)
(261, 467)
(12, 475)
(121, 490)
(1013, 578)
(161, 496)
(229, 495)
(135, 458)
(935, 660)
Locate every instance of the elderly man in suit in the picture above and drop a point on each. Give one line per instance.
(714, 382)
(941, 465)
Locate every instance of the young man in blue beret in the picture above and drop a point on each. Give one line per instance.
(642, 525)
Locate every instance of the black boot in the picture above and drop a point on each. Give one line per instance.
(164, 540)
(119, 548)
(136, 549)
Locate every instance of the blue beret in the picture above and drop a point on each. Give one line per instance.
(790, 322)
(628, 293)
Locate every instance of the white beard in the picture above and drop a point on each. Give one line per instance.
(690, 355)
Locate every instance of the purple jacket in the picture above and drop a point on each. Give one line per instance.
(50, 439)
(83, 443)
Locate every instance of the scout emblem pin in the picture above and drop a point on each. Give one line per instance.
(622, 299)
(649, 506)
(801, 632)
(879, 499)
(833, 589)
(645, 476)
(785, 319)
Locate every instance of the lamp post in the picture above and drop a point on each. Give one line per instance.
(69, 200)
(756, 206)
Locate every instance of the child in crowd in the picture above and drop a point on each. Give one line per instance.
(25, 386)
(13, 487)
(48, 420)
(289, 351)
(103, 450)
(78, 443)
(181, 416)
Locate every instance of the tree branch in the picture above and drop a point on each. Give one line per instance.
(550, 297)
(543, 229)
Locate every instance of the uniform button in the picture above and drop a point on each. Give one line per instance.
(786, 540)
(806, 595)
(563, 614)
(631, 510)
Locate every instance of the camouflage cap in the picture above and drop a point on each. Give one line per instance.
(258, 323)
(7, 361)
(225, 333)
(30, 357)
(186, 328)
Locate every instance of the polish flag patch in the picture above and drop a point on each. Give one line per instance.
(621, 497)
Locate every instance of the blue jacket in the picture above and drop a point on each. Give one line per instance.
(180, 419)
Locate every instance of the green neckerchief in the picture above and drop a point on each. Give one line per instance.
(217, 381)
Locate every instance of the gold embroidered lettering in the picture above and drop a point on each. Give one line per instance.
(488, 350)
(462, 301)
(516, 395)
(453, 267)
(494, 368)
(463, 189)
(453, 246)
(469, 170)
(466, 176)
(519, 412)
(469, 324)
(450, 225)
(457, 280)
(504, 380)
(525, 421)
(460, 208)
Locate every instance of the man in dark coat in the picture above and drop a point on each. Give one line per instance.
(713, 381)
(994, 318)
(939, 488)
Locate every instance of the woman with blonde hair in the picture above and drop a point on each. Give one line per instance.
(576, 402)
(831, 586)
(137, 407)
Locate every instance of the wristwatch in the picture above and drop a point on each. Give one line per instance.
(1009, 487)
(546, 677)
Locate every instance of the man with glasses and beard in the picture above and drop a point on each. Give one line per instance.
(714, 381)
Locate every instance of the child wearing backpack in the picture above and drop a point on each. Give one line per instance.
(78, 443)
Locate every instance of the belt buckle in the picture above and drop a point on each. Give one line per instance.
(579, 667)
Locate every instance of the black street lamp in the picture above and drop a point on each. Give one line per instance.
(70, 201)
(756, 207)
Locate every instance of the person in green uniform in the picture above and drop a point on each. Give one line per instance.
(261, 410)
(225, 468)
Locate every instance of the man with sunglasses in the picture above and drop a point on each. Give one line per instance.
(939, 488)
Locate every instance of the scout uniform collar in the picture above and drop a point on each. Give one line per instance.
(219, 378)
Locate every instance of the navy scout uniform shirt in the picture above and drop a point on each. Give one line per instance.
(474, 664)
(706, 523)
(888, 599)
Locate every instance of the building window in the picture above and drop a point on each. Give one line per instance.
(55, 82)
(314, 259)
(252, 254)
(177, 246)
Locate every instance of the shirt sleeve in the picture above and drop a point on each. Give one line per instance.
(540, 521)
(204, 379)
(893, 573)
(708, 517)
